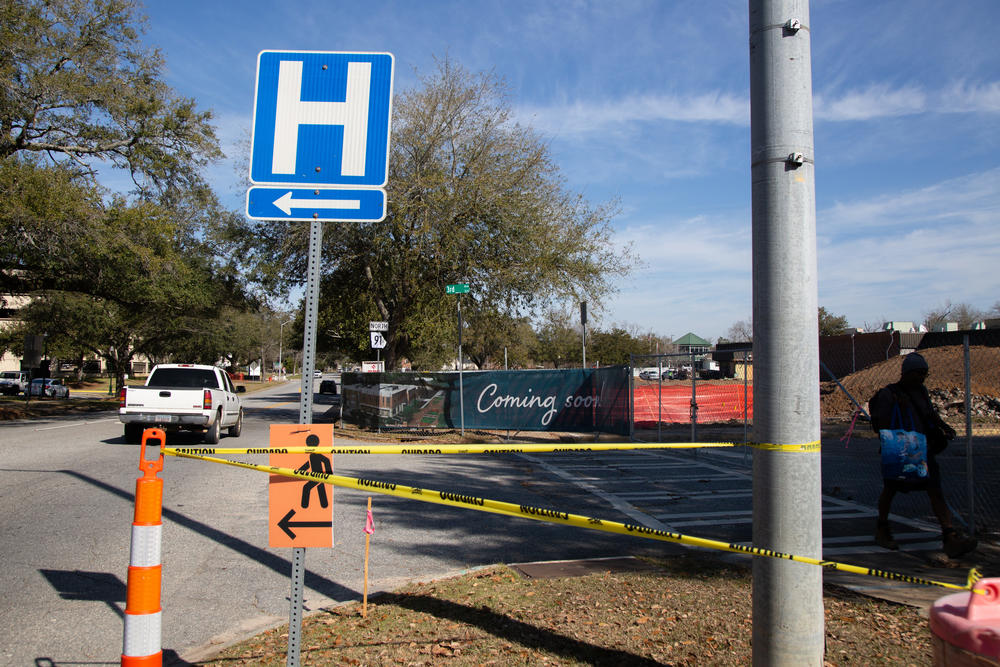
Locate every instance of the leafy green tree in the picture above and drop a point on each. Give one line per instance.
(155, 289)
(557, 341)
(830, 324)
(489, 333)
(73, 322)
(614, 346)
(79, 87)
(473, 197)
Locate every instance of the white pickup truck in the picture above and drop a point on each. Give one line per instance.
(14, 382)
(186, 397)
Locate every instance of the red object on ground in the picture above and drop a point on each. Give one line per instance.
(965, 627)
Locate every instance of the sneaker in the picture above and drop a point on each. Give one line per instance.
(883, 537)
(957, 544)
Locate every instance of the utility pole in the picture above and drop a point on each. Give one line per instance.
(787, 513)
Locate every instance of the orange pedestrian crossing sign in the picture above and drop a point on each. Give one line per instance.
(300, 512)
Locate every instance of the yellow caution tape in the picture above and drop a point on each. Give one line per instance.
(491, 449)
(801, 447)
(556, 516)
(445, 449)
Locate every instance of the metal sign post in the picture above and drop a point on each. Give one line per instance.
(460, 289)
(461, 368)
(305, 417)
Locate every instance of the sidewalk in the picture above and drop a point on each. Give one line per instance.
(933, 565)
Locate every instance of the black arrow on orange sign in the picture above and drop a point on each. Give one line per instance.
(286, 524)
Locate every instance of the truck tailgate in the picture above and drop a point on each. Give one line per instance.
(163, 399)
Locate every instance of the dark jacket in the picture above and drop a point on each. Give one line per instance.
(915, 408)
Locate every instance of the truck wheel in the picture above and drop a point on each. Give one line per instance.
(237, 428)
(212, 433)
(133, 434)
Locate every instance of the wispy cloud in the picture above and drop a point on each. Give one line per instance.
(873, 102)
(974, 198)
(588, 117)
(911, 250)
(883, 101)
(724, 108)
(972, 98)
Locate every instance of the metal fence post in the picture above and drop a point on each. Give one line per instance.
(969, 467)
(659, 399)
(746, 409)
(694, 402)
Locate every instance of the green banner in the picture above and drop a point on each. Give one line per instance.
(585, 400)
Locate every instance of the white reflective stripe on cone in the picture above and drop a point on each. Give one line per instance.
(142, 634)
(145, 551)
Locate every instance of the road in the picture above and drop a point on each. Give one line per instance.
(67, 505)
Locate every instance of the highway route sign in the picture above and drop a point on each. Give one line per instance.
(378, 340)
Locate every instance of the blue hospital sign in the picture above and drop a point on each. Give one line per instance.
(322, 119)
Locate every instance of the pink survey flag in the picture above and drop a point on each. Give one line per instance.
(369, 523)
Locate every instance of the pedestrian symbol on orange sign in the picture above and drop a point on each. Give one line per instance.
(316, 463)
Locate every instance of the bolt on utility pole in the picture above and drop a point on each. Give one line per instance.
(787, 513)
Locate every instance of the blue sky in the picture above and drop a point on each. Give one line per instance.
(647, 102)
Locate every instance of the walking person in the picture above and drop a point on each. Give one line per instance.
(914, 403)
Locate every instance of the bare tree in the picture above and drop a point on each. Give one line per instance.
(740, 331)
(963, 314)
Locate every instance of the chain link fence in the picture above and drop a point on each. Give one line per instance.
(709, 396)
(702, 395)
(964, 386)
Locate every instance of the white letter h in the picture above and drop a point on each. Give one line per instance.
(291, 111)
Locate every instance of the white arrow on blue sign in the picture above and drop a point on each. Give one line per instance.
(322, 118)
(346, 205)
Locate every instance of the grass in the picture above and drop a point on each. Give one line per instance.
(691, 611)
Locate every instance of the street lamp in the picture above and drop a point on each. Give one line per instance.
(281, 338)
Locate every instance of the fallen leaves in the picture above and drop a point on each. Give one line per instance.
(695, 612)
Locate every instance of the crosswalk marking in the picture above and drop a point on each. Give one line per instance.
(614, 489)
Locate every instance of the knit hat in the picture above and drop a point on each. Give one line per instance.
(913, 362)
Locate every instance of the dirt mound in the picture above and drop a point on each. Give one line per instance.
(946, 383)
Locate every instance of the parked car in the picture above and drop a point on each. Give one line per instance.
(13, 382)
(649, 374)
(328, 387)
(317, 374)
(49, 387)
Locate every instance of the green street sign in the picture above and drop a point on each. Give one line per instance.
(458, 288)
